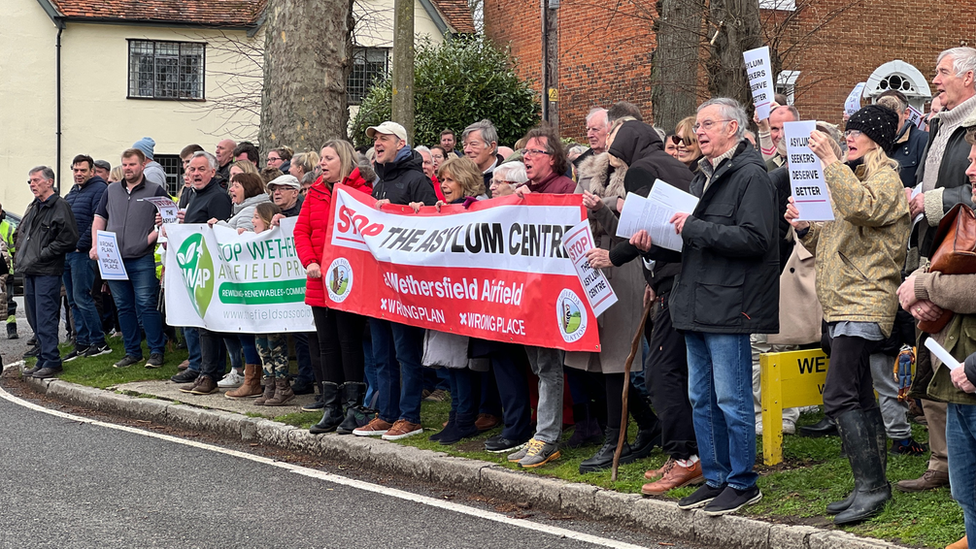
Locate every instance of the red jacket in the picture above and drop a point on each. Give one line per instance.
(313, 221)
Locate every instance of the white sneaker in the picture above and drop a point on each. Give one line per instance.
(789, 428)
(231, 380)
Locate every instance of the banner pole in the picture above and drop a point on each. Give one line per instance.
(634, 347)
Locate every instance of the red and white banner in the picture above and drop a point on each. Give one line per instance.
(496, 270)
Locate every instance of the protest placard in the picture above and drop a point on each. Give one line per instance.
(596, 287)
(653, 214)
(166, 207)
(760, 75)
(916, 117)
(109, 258)
(806, 173)
(496, 270)
(249, 283)
(853, 103)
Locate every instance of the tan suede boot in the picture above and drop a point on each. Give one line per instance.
(283, 393)
(252, 383)
(961, 544)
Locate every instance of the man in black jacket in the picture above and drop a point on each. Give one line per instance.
(79, 269)
(46, 234)
(402, 181)
(728, 288)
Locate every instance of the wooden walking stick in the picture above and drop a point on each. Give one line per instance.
(635, 347)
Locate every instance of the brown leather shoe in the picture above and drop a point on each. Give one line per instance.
(656, 473)
(961, 544)
(486, 422)
(269, 391)
(930, 480)
(183, 365)
(283, 393)
(205, 385)
(675, 476)
(252, 384)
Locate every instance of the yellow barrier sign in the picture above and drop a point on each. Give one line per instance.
(788, 380)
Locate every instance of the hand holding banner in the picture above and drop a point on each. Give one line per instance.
(167, 208)
(760, 74)
(806, 173)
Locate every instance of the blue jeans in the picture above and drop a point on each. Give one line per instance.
(398, 351)
(42, 295)
(720, 391)
(250, 349)
(79, 275)
(192, 336)
(961, 440)
(137, 300)
(233, 345)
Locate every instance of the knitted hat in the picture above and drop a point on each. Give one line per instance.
(146, 145)
(877, 122)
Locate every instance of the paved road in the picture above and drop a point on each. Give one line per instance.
(73, 482)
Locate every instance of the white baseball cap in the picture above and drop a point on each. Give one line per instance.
(388, 128)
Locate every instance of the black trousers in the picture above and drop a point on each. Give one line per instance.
(849, 385)
(666, 371)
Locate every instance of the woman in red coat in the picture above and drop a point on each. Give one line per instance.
(340, 334)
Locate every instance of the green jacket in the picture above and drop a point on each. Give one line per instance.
(860, 253)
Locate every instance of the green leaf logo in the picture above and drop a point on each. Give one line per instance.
(197, 268)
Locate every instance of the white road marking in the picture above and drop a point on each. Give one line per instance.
(336, 479)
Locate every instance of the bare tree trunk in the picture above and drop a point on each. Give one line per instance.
(307, 57)
(738, 29)
(675, 63)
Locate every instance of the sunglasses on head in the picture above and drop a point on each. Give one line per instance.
(678, 140)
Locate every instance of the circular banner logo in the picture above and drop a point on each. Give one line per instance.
(338, 280)
(570, 316)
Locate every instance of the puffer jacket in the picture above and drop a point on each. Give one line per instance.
(84, 200)
(403, 181)
(310, 229)
(46, 234)
(861, 252)
(244, 211)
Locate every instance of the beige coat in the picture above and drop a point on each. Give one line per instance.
(800, 314)
(618, 323)
(861, 252)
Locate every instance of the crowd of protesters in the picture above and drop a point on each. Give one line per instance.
(751, 278)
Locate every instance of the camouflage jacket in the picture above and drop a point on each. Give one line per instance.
(861, 252)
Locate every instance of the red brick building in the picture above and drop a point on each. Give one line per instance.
(826, 48)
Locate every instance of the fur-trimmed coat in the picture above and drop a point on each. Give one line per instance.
(618, 323)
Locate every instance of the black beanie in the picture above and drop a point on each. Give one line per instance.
(877, 122)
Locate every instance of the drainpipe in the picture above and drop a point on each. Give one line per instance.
(57, 169)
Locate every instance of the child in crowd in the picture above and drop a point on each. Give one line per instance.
(273, 348)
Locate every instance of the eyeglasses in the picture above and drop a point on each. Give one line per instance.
(708, 124)
(533, 152)
(853, 134)
(273, 158)
(502, 181)
(678, 140)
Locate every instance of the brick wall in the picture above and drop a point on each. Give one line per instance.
(605, 48)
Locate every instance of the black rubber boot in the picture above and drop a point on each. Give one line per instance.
(332, 416)
(876, 432)
(461, 428)
(648, 425)
(823, 428)
(12, 330)
(871, 489)
(356, 414)
(603, 459)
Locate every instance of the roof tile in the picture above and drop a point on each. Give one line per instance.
(218, 13)
(458, 15)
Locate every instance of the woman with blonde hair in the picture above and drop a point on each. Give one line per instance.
(243, 166)
(859, 258)
(303, 163)
(687, 142)
(339, 335)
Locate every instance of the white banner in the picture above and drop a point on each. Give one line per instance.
(225, 282)
(853, 103)
(110, 264)
(577, 242)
